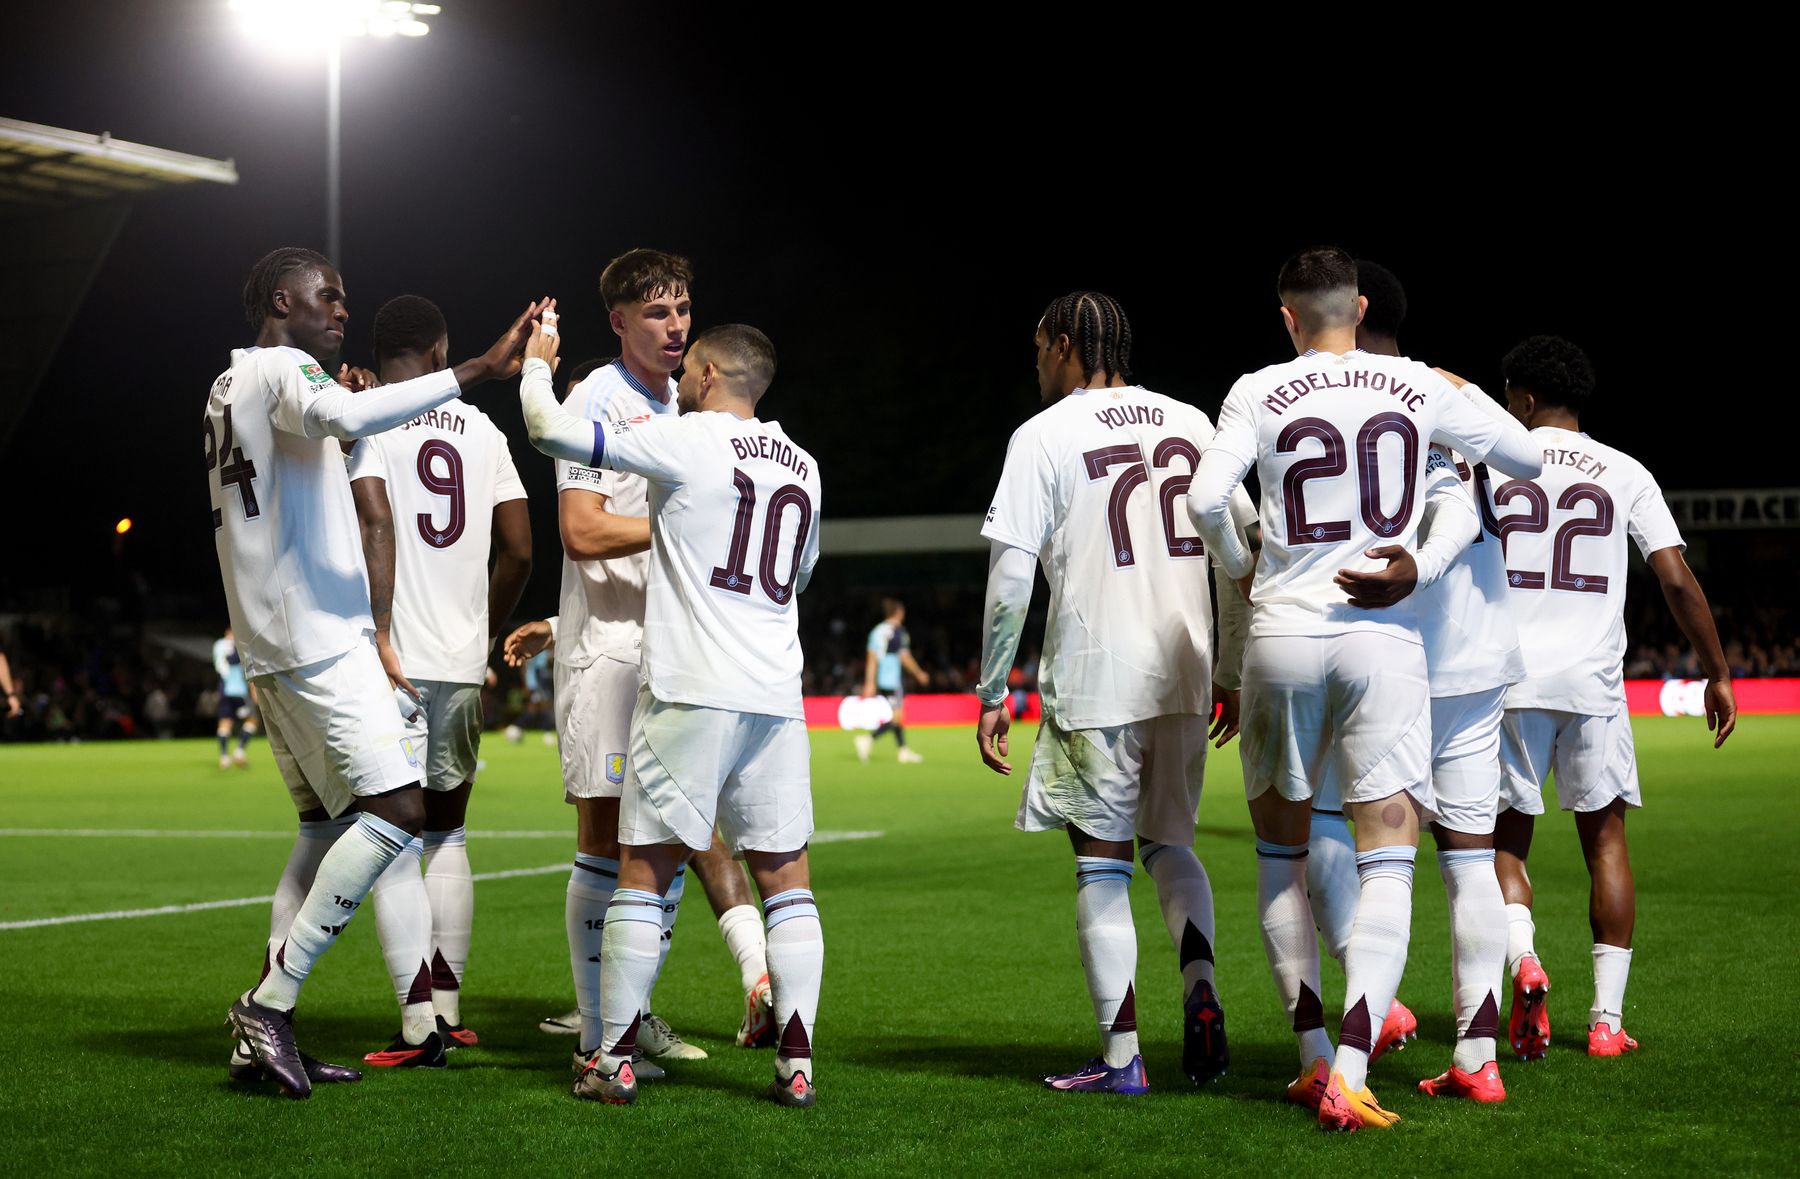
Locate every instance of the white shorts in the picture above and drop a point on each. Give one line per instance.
(692, 767)
(1355, 705)
(453, 738)
(1594, 759)
(1465, 760)
(339, 731)
(1139, 779)
(593, 723)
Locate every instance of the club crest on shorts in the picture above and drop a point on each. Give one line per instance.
(615, 768)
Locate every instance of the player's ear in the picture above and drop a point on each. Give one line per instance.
(1062, 345)
(440, 354)
(1287, 321)
(278, 299)
(1362, 308)
(617, 319)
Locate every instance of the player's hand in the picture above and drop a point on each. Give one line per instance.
(990, 736)
(1225, 724)
(868, 691)
(390, 663)
(1445, 373)
(1721, 710)
(542, 345)
(356, 379)
(13, 707)
(502, 361)
(922, 679)
(1373, 591)
(525, 642)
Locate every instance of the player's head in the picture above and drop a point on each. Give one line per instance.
(1318, 292)
(228, 632)
(646, 295)
(1546, 373)
(295, 297)
(1083, 340)
(409, 327)
(1379, 330)
(893, 610)
(730, 362)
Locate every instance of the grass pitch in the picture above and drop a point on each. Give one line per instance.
(951, 983)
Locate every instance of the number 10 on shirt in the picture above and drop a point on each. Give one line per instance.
(734, 576)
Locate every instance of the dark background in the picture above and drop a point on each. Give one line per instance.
(894, 194)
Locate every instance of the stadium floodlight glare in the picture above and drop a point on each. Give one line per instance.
(325, 24)
(123, 526)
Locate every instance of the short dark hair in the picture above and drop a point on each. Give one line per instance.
(1097, 328)
(644, 274)
(889, 606)
(1387, 298)
(1313, 282)
(1550, 369)
(742, 352)
(266, 275)
(408, 324)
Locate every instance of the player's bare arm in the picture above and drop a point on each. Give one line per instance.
(376, 518)
(1687, 602)
(913, 669)
(9, 690)
(590, 532)
(512, 562)
(870, 660)
(526, 641)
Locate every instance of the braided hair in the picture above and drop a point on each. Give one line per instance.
(1097, 329)
(267, 274)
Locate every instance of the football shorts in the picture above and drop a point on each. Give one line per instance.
(1465, 760)
(1593, 757)
(339, 731)
(593, 723)
(1355, 705)
(693, 767)
(1138, 779)
(453, 732)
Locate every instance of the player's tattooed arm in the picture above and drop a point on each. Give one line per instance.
(376, 518)
(1010, 574)
(1687, 602)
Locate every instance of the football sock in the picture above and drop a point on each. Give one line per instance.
(244, 735)
(591, 885)
(628, 956)
(224, 744)
(742, 929)
(1612, 966)
(1377, 955)
(451, 888)
(671, 909)
(900, 734)
(1291, 944)
(345, 875)
(1477, 951)
(1520, 935)
(1331, 883)
(403, 926)
(1185, 895)
(796, 943)
(883, 727)
(310, 846)
(1108, 943)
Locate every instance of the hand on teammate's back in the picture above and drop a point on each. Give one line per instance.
(1373, 591)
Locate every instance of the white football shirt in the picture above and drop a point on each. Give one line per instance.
(734, 534)
(445, 472)
(603, 602)
(1465, 618)
(290, 551)
(1563, 535)
(1339, 446)
(1093, 485)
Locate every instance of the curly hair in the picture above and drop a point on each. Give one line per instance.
(1387, 298)
(266, 275)
(408, 324)
(1097, 328)
(644, 274)
(1552, 370)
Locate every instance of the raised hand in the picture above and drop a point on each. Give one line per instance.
(503, 359)
(1373, 591)
(544, 339)
(356, 379)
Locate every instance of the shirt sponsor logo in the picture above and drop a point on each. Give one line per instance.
(315, 374)
(615, 768)
(584, 475)
(1436, 462)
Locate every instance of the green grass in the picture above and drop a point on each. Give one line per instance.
(951, 983)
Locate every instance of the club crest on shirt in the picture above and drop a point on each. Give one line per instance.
(615, 768)
(315, 374)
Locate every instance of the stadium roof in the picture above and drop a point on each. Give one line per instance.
(48, 167)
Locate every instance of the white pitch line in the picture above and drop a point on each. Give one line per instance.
(160, 833)
(241, 902)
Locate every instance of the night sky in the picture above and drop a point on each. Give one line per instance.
(894, 206)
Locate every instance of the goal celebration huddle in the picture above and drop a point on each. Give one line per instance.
(1414, 618)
